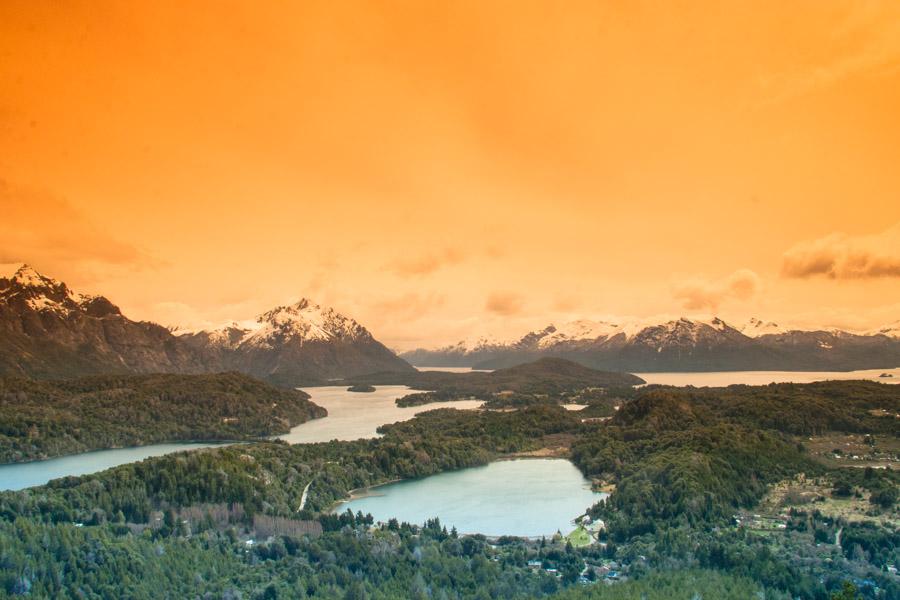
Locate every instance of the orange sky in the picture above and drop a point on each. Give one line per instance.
(439, 169)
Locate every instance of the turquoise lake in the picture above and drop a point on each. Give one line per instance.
(527, 498)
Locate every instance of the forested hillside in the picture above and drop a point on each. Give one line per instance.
(687, 469)
(41, 419)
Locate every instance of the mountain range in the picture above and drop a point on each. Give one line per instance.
(49, 331)
(678, 345)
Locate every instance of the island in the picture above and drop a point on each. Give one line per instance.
(544, 381)
(363, 388)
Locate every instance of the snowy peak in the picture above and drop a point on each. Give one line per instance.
(685, 332)
(304, 321)
(24, 276)
(891, 330)
(578, 331)
(475, 344)
(757, 327)
(23, 286)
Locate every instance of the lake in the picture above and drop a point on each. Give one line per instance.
(526, 498)
(356, 415)
(22, 475)
(725, 378)
(351, 416)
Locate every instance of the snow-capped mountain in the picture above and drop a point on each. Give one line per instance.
(299, 343)
(22, 285)
(47, 330)
(680, 345)
(891, 330)
(757, 327)
(304, 321)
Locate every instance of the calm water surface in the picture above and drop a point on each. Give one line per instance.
(351, 416)
(23, 475)
(356, 415)
(527, 498)
(724, 378)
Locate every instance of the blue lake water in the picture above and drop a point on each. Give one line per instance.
(351, 416)
(23, 475)
(527, 498)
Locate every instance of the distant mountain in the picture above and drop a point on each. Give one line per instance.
(891, 330)
(47, 331)
(680, 345)
(297, 344)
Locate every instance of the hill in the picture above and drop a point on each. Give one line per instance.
(42, 419)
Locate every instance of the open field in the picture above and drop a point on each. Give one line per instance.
(816, 494)
(855, 450)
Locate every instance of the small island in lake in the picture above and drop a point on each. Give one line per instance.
(362, 388)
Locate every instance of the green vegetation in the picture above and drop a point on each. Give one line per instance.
(579, 537)
(41, 419)
(685, 461)
(690, 469)
(545, 381)
(361, 388)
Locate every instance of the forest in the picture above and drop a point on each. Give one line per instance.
(43, 419)
(544, 376)
(686, 466)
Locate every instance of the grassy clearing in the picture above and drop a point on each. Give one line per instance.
(580, 537)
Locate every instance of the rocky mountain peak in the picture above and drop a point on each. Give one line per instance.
(304, 321)
(757, 327)
(28, 289)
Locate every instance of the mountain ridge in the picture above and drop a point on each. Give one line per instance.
(51, 332)
(680, 345)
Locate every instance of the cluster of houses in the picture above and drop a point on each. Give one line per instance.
(609, 571)
(760, 522)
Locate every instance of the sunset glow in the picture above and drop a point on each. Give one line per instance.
(445, 170)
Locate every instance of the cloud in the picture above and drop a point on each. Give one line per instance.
(566, 302)
(504, 303)
(427, 263)
(839, 256)
(409, 306)
(869, 39)
(51, 234)
(700, 293)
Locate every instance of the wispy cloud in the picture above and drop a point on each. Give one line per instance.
(840, 256)
(700, 293)
(869, 35)
(426, 264)
(408, 306)
(50, 233)
(505, 303)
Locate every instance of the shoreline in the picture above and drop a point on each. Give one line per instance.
(363, 492)
(211, 444)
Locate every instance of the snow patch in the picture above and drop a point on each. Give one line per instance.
(757, 327)
(304, 321)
